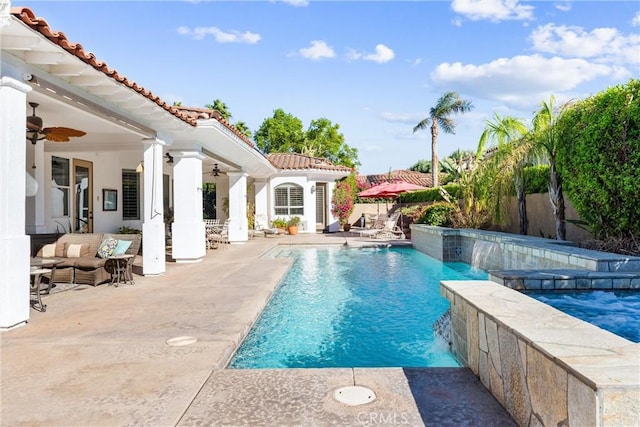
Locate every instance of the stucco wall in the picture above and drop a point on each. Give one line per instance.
(541, 221)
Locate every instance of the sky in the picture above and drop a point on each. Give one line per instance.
(375, 68)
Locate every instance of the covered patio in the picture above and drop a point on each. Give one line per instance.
(139, 157)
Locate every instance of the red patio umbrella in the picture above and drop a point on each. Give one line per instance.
(390, 189)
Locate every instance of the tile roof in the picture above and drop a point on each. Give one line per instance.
(40, 25)
(294, 161)
(418, 178)
(185, 114)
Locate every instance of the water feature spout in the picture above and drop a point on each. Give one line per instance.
(486, 255)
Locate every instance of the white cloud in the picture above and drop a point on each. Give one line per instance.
(296, 3)
(636, 20)
(602, 44)
(520, 81)
(414, 62)
(407, 118)
(319, 49)
(233, 36)
(564, 7)
(382, 54)
(457, 22)
(493, 10)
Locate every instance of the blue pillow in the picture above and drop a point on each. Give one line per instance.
(121, 247)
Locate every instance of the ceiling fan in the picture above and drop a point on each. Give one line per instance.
(215, 172)
(35, 131)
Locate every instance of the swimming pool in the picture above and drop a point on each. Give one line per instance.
(614, 311)
(346, 307)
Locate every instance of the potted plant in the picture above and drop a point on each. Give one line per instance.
(292, 225)
(279, 223)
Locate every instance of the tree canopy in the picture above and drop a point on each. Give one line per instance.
(284, 133)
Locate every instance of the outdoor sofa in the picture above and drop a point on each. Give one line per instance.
(82, 262)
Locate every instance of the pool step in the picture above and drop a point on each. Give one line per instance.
(565, 279)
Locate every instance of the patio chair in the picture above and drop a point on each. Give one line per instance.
(211, 228)
(220, 236)
(390, 230)
(377, 225)
(262, 227)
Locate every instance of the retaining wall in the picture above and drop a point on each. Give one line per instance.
(545, 367)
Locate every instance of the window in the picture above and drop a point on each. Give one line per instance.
(130, 194)
(60, 187)
(289, 200)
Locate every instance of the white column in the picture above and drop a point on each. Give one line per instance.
(333, 223)
(15, 245)
(187, 230)
(262, 198)
(238, 228)
(153, 230)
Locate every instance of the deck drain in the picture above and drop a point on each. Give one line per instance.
(354, 395)
(181, 341)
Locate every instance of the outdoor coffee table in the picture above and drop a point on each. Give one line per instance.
(120, 269)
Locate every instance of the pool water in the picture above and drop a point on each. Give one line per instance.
(346, 307)
(614, 311)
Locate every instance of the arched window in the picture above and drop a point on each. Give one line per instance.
(289, 200)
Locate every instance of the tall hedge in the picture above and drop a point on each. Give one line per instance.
(599, 159)
(430, 195)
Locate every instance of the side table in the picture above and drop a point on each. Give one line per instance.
(37, 273)
(119, 266)
(49, 263)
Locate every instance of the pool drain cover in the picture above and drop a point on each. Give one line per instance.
(181, 341)
(354, 395)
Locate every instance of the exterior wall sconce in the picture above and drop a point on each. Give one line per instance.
(140, 167)
(313, 189)
(169, 158)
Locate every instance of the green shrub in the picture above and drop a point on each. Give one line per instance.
(430, 195)
(536, 179)
(437, 214)
(599, 159)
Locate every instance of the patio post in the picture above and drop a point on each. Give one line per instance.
(261, 198)
(153, 230)
(187, 230)
(15, 245)
(238, 207)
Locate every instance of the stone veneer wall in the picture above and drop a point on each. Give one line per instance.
(545, 367)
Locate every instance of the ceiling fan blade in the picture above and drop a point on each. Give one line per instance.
(61, 134)
(63, 131)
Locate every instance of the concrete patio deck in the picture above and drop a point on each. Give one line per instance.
(98, 356)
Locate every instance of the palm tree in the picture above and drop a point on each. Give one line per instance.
(509, 134)
(243, 128)
(546, 141)
(448, 104)
(221, 108)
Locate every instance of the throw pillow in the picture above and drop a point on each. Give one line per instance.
(76, 250)
(122, 247)
(106, 248)
(49, 251)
